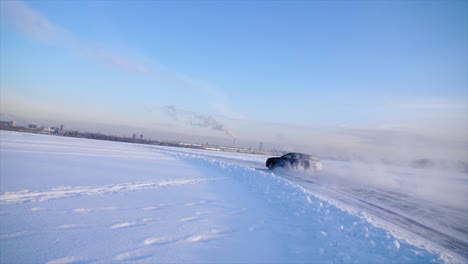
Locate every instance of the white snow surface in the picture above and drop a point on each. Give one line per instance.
(68, 200)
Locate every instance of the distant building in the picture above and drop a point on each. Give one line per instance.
(7, 123)
(50, 130)
(32, 126)
(134, 136)
(141, 137)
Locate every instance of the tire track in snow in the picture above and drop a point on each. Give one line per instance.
(131, 255)
(109, 155)
(145, 251)
(65, 192)
(66, 260)
(15, 235)
(135, 223)
(125, 225)
(160, 240)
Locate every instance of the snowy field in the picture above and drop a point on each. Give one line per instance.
(68, 200)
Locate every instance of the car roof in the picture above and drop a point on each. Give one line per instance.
(302, 155)
(296, 153)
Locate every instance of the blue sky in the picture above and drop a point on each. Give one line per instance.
(262, 70)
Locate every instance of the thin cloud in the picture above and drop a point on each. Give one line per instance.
(435, 105)
(28, 21)
(32, 23)
(121, 62)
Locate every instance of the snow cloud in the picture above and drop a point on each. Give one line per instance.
(442, 185)
(196, 119)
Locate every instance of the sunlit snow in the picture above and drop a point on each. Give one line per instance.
(67, 200)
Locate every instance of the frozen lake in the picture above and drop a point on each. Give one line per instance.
(68, 200)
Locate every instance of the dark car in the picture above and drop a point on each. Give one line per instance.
(293, 161)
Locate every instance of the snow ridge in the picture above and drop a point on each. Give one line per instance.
(64, 192)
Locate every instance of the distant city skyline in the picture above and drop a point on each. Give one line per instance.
(386, 77)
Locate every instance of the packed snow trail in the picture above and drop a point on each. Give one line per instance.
(413, 219)
(420, 222)
(66, 200)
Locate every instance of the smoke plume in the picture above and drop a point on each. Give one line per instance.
(196, 119)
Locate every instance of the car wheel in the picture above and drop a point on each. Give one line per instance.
(294, 164)
(271, 165)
